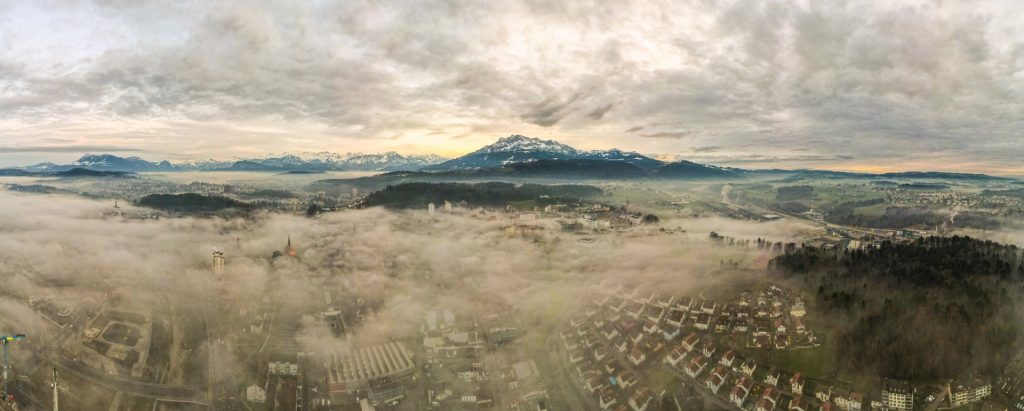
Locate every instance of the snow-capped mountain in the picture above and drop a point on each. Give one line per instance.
(42, 167)
(643, 162)
(207, 164)
(521, 149)
(548, 157)
(515, 155)
(521, 144)
(112, 162)
(108, 162)
(390, 161)
(324, 161)
(328, 160)
(322, 156)
(105, 162)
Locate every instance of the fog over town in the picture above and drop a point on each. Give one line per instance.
(398, 265)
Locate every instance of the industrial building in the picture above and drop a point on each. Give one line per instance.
(352, 371)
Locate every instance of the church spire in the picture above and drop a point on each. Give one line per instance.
(289, 250)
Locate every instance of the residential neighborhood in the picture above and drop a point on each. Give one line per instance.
(623, 342)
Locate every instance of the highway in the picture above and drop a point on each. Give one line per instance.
(175, 393)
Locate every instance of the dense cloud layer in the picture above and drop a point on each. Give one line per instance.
(853, 84)
(407, 263)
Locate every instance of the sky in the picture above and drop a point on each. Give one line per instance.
(847, 85)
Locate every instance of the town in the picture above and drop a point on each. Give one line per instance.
(622, 346)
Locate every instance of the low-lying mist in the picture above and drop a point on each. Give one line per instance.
(405, 263)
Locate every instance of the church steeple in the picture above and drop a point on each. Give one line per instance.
(289, 250)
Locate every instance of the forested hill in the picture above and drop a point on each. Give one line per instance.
(936, 307)
(191, 202)
(925, 261)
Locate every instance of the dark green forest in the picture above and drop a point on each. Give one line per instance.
(190, 202)
(1014, 192)
(790, 193)
(936, 307)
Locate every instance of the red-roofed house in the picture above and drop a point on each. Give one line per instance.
(691, 341)
(797, 383)
(675, 356)
(727, 358)
(768, 400)
(740, 392)
(716, 379)
(696, 365)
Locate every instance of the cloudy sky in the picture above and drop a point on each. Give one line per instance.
(856, 85)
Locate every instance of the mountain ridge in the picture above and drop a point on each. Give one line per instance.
(517, 148)
(504, 154)
(388, 161)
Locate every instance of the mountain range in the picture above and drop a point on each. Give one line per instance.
(324, 161)
(514, 155)
(507, 151)
(69, 173)
(534, 157)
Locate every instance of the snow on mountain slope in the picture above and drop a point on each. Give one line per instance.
(521, 144)
(521, 149)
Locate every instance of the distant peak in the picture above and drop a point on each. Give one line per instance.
(515, 139)
(616, 151)
(518, 142)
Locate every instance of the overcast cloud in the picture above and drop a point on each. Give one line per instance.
(863, 85)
